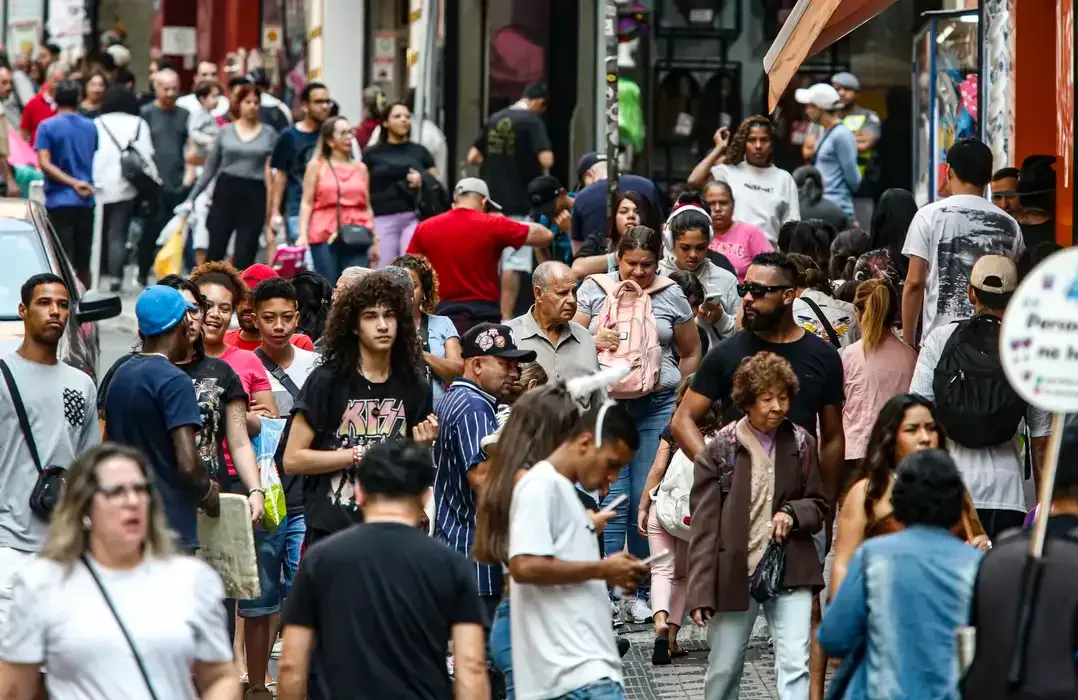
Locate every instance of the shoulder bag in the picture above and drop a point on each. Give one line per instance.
(827, 327)
(349, 235)
(120, 624)
(50, 480)
(278, 372)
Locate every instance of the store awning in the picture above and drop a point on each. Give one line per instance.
(812, 25)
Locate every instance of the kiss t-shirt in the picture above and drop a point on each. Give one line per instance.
(347, 413)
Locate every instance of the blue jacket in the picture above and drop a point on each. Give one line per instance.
(836, 159)
(902, 601)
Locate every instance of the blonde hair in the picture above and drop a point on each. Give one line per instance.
(877, 305)
(68, 538)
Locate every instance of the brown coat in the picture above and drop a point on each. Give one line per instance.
(718, 550)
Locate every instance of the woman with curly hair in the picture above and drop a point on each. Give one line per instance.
(368, 389)
(440, 339)
(757, 482)
(906, 424)
(765, 195)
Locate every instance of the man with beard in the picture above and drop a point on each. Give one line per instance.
(57, 401)
(768, 294)
(564, 349)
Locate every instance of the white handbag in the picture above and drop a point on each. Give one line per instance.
(671, 497)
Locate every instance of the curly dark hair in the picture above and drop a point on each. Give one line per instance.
(428, 278)
(735, 152)
(757, 374)
(880, 462)
(341, 346)
(928, 490)
(224, 274)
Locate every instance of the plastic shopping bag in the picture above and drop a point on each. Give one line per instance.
(265, 445)
(169, 260)
(766, 581)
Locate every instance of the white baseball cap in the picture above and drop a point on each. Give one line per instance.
(820, 95)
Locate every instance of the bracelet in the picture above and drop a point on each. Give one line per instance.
(256, 490)
(356, 455)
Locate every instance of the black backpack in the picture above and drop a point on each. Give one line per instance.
(133, 167)
(974, 401)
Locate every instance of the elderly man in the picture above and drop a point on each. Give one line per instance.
(42, 105)
(564, 349)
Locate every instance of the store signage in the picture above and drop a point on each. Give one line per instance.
(384, 60)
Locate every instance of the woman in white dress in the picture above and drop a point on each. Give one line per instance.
(109, 611)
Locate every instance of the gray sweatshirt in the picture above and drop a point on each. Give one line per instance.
(238, 158)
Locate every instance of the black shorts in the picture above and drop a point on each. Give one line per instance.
(75, 230)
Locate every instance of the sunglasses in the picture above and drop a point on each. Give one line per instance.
(112, 493)
(758, 290)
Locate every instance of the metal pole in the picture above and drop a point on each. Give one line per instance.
(610, 31)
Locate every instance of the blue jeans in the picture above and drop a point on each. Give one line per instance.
(650, 414)
(277, 554)
(331, 260)
(605, 689)
(501, 649)
(291, 229)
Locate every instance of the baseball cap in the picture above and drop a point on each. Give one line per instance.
(819, 95)
(995, 274)
(543, 194)
(586, 163)
(474, 185)
(159, 309)
(846, 80)
(493, 340)
(259, 272)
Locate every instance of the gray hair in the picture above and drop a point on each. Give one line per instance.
(58, 70)
(547, 272)
(350, 275)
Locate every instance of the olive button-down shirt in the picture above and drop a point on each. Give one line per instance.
(574, 354)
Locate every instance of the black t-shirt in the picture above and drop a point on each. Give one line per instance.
(389, 164)
(815, 362)
(350, 413)
(589, 210)
(215, 384)
(382, 599)
(511, 142)
(291, 154)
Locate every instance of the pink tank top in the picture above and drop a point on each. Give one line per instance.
(354, 198)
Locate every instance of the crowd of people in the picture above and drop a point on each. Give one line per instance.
(706, 413)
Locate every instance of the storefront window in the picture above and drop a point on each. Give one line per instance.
(284, 45)
(519, 32)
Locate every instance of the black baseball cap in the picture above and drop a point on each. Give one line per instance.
(543, 194)
(493, 340)
(586, 163)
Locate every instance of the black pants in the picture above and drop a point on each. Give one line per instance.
(239, 204)
(115, 225)
(75, 229)
(167, 200)
(997, 521)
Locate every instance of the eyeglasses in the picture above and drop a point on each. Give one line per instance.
(116, 491)
(758, 290)
(343, 134)
(196, 313)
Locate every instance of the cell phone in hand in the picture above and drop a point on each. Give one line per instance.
(660, 557)
(618, 500)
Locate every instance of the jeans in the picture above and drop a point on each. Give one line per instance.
(394, 233)
(291, 229)
(789, 616)
(115, 225)
(650, 414)
(331, 260)
(605, 689)
(501, 648)
(277, 554)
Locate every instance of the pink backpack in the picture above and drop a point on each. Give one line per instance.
(628, 307)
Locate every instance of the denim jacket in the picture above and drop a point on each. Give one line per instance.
(903, 599)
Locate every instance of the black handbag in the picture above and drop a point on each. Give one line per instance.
(350, 235)
(766, 582)
(50, 480)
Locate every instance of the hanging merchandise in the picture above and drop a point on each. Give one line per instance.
(630, 114)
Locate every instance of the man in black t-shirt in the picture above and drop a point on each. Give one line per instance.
(373, 608)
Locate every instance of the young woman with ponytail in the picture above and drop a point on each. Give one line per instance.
(816, 309)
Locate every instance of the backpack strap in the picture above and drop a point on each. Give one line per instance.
(831, 334)
(278, 372)
(605, 283)
(658, 284)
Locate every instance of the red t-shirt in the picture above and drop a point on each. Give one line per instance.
(465, 247)
(38, 109)
(233, 338)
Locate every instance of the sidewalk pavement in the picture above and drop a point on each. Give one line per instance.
(684, 678)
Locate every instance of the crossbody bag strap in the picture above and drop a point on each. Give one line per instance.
(338, 181)
(831, 334)
(278, 372)
(120, 624)
(20, 411)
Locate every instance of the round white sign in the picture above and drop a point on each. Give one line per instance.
(1038, 341)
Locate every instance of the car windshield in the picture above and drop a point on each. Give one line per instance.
(23, 256)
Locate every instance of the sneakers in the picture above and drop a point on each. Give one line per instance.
(615, 613)
(635, 610)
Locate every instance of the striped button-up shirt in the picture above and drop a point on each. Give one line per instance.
(466, 415)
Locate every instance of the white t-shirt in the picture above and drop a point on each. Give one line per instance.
(170, 606)
(763, 197)
(839, 314)
(192, 105)
(952, 234)
(303, 362)
(562, 636)
(108, 178)
(993, 475)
